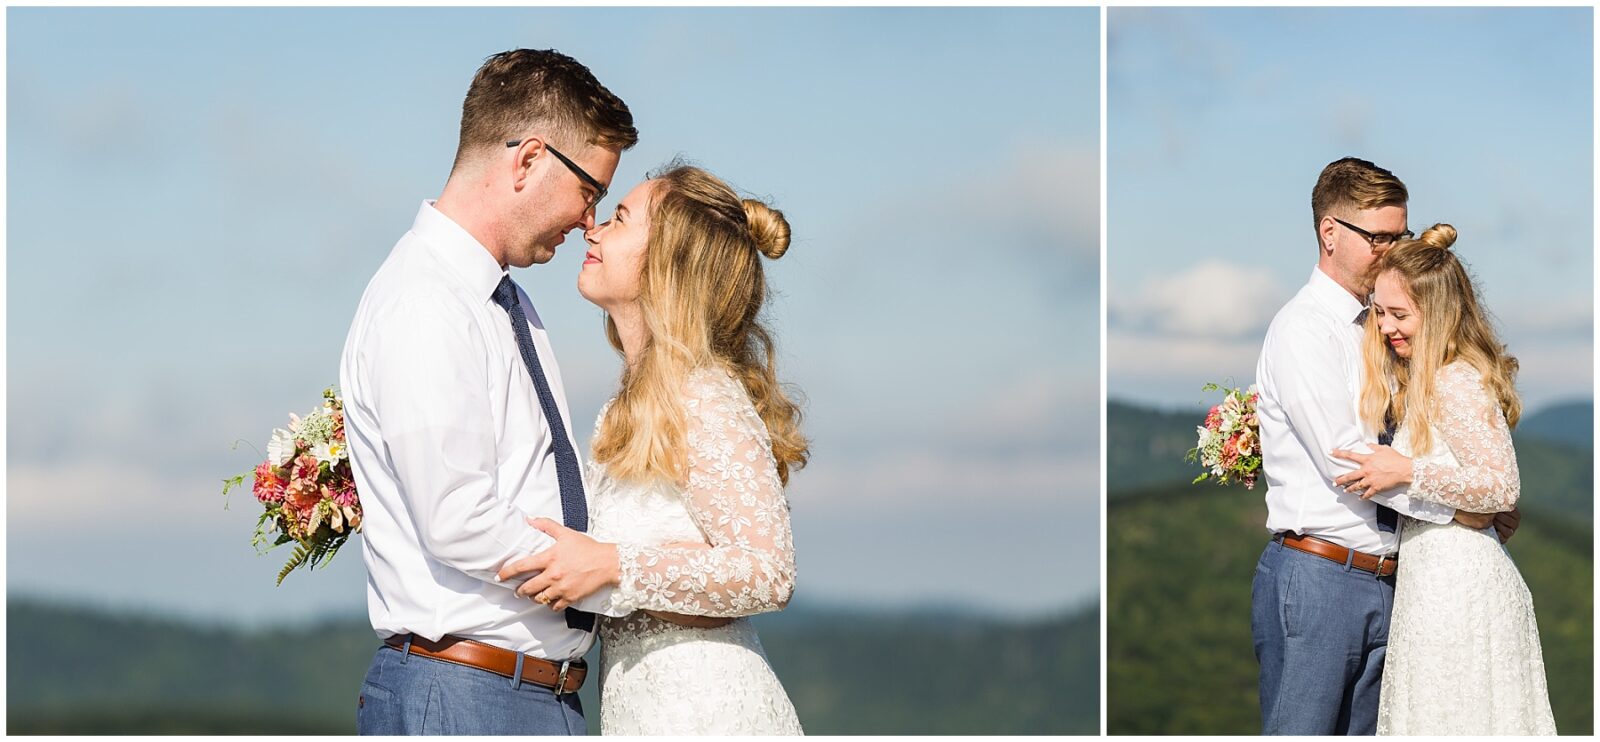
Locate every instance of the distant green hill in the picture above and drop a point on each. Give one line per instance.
(76, 671)
(1569, 423)
(1179, 560)
(1146, 447)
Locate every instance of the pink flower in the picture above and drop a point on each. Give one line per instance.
(306, 467)
(268, 485)
(1214, 418)
(1244, 442)
(301, 496)
(344, 494)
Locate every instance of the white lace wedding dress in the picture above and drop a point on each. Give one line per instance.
(658, 677)
(1463, 654)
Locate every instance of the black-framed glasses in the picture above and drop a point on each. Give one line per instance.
(1375, 239)
(599, 190)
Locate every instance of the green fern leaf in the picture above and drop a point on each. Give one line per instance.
(300, 553)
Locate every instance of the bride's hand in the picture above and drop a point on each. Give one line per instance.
(568, 571)
(1380, 470)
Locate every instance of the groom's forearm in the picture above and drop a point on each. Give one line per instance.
(1400, 500)
(698, 622)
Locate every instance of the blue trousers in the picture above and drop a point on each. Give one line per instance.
(408, 694)
(1320, 631)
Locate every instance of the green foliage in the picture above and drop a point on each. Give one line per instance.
(908, 673)
(1179, 655)
(1146, 447)
(312, 552)
(302, 552)
(1179, 603)
(1556, 476)
(228, 485)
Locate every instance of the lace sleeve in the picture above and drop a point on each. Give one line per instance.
(736, 498)
(1470, 422)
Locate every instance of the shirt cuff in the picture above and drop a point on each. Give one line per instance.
(1402, 502)
(603, 602)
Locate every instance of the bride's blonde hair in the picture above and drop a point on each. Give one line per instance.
(701, 290)
(1454, 327)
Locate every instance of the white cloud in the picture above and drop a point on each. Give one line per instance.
(1031, 215)
(1045, 189)
(1211, 300)
(1570, 319)
(1554, 373)
(924, 478)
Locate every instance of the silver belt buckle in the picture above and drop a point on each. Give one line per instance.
(1378, 573)
(561, 680)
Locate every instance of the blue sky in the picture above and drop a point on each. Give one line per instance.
(1219, 121)
(197, 197)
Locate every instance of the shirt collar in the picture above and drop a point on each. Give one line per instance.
(462, 253)
(1333, 297)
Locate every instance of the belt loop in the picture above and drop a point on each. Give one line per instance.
(405, 652)
(516, 675)
(1349, 559)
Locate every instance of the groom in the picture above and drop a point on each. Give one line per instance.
(1324, 585)
(457, 419)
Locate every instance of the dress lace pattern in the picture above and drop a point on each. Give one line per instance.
(1464, 654)
(659, 677)
(1485, 478)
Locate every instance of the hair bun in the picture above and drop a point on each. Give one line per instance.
(1441, 236)
(768, 228)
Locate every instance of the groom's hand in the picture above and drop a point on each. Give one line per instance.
(568, 571)
(1475, 521)
(698, 622)
(1383, 469)
(1506, 523)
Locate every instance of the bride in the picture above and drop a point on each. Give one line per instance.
(689, 462)
(1463, 654)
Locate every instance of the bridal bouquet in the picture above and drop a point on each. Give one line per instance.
(306, 487)
(1230, 440)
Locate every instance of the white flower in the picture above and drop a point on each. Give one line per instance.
(329, 453)
(281, 448)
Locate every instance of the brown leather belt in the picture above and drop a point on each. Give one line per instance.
(1382, 566)
(561, 677)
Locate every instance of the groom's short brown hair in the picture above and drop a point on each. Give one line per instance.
(541, 92)
(1352, 184)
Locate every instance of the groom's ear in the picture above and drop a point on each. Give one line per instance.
(1325, 230)
(523, 160)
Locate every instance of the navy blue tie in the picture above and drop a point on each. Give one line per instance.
(1388, 519)
(569, 476)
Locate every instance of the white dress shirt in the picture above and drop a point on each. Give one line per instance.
(1309, 376)
(449, 447)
